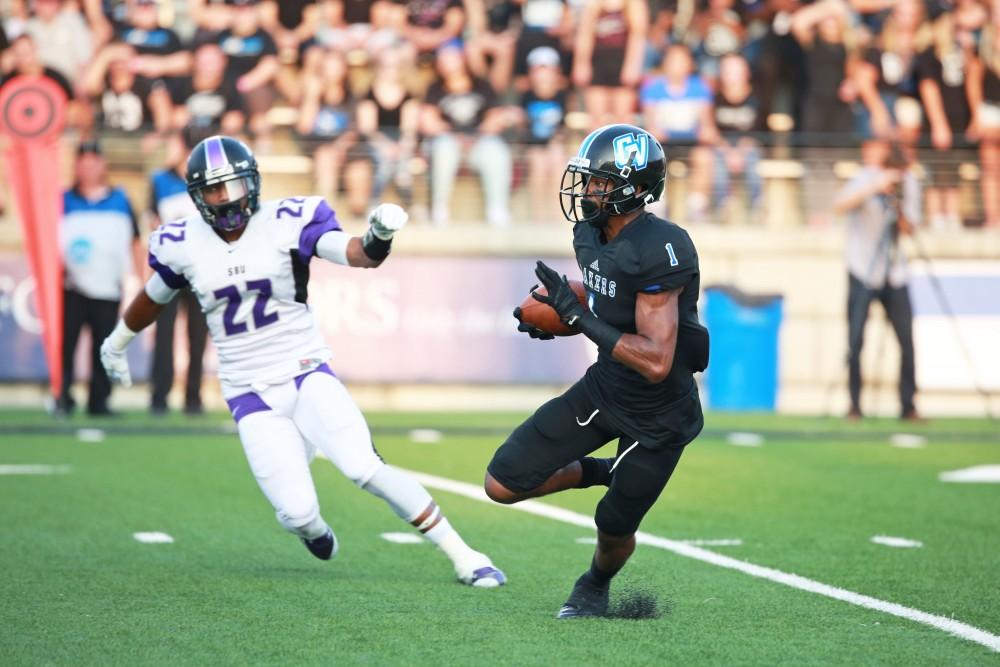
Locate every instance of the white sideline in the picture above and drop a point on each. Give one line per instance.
(951, 626)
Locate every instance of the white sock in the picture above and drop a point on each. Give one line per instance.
(449, 541)
(311, 530)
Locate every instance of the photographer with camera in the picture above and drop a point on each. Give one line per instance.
(881, 202)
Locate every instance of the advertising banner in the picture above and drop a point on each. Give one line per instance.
(422, 319)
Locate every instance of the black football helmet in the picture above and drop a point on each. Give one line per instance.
(632, 164)
(226, 163)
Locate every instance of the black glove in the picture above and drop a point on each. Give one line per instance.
(534, 332)
(561, 296)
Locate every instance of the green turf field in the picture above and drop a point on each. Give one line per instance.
(234, 588)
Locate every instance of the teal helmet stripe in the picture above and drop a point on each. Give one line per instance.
(585, 146)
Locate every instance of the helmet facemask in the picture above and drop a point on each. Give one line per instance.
(227, 204)
(581, 204)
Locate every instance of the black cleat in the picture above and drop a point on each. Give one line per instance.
(588, 599)
(323, 547)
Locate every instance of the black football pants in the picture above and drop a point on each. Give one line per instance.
(100, 317)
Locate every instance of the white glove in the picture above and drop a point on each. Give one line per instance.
(386, 220)
(113, 354)
(115, 364)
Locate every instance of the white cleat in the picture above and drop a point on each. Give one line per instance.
(480, 573)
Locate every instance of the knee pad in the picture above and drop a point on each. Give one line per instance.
(620, 512)
(617, 518)
(404, 494)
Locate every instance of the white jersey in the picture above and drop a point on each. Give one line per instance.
(252, 291)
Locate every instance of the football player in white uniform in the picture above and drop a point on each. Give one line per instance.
(248, 263)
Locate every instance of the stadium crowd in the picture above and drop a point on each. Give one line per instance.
(382, 94)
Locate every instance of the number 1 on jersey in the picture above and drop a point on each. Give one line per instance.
(673, 257)
(232, 296)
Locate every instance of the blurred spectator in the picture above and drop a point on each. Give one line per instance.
(882, 201)
(677, 108)
(460, 116)
(126, 102)
(98, 238)
(389, 117)
(970, 16)
(359, 28)
(737, 123)
(100, 27)
(663, 15)
(327, 129)
(158, 50)
(206, 98)
(779, 71)
(431, 23)
(872, 13)
(941, 70)
(827, 124)
(886, 80)
(543, 23)
(493, 31)
(822, 29)
(169, 202)
(62, 37)
(984, 98)
(543, 115)
(718, 31)
(607, 58)
(252, 67)
(290, 23)
(210, 18)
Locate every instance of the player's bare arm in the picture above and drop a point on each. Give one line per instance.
(356, 255)
(371, 249)
(650, 351)
(142, 312)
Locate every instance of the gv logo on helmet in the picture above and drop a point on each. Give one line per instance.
(631, 151)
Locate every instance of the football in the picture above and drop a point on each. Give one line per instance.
(543, 317)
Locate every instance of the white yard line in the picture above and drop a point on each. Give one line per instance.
(949, 625)
(741, 439)
(700, 543)
(403, 538)
(899, 542)
(33, 469)
(153, 537)
(986, 474)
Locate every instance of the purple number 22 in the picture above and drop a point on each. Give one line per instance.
(233, 300)
(167, 236)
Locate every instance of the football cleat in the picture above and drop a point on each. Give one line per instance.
(323, 547)
(586, 600)
(486, 577)
(481, 574)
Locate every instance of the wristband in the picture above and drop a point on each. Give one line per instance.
(599, 331)
(377, 249)
(120, 337)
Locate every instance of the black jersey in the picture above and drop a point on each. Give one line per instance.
(649, 255)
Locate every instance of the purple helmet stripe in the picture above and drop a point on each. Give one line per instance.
(215, 155)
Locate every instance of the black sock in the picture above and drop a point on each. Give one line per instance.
(595, 472)
(599, 577)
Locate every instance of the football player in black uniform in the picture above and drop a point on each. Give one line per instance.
(641, 275)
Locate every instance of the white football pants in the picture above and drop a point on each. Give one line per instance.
(282, 425)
